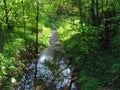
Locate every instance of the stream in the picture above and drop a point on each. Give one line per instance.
(53, 72)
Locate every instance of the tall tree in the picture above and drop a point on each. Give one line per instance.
(80, 11)
(97, 13)
(6, 15)
(37, 22)
(36, 47)
(93, 16)
(1, 38)
(24, 23)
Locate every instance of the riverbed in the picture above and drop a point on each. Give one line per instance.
(53, 71)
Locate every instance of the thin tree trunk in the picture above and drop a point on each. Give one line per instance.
(24, 27)
(1, 38)
(97, 14)
(37, 21)
(102, 17)
(24, 23)
(106, 30)
(36, 47)
(93, 16)
(80, 12)
(6, 15)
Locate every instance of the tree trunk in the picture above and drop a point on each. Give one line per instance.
(106, 39)
(6, 15)
(97, 14)
(80, 12)
(93, 13)
(36, 47)
(37, 21)
(1, 38)
(24, 23)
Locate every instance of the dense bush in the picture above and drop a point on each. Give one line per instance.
(94, 67)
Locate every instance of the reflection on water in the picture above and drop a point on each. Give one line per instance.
(52, 69)
(60, 77)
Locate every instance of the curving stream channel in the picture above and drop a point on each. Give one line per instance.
(53, 72)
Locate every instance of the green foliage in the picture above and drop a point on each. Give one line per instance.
(90, 34)
(8, 88)
(83, 46)
(80, 45)
(116, 46)
(7, 66)
(43, 38)
(84, 41)
(88, 83)
(15, 55)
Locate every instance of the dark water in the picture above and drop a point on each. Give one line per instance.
(53, 72)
